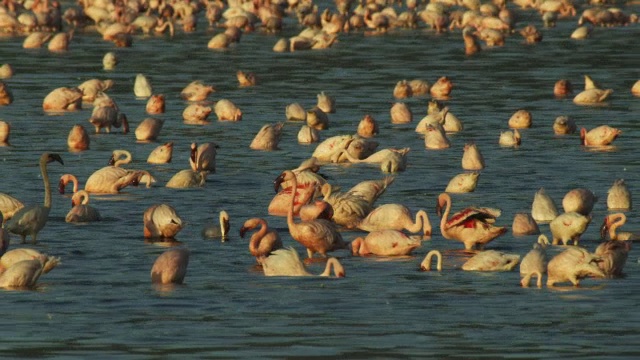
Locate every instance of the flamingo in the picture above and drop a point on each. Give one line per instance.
(203, 157)
(318, 236)
(579, 200)
(161, 154)
(295, 112)
(472, 226)
(543, 209)
(614, 255)
(246, 79)
(149, 129)
(357, 146)
(317, 119)
(227, 111)
(349, 208)
(264, 241)
(425, 265)
(510, 138)
(31, 219)
(92, 87)
(142, 86)
(319, 209)
(463, 183)
(155, 104)
(23, 274)
(286, 262)
(170, 267)
(309, 185)
(521, 119)
(400, 113)
(491, 260)
(16, 255)
(592, 96)
(534, 263)
(196, 91)
(326, 103)
(9, 205)
(268, 137)
(611, 224)
(367, 127)
(573, 264)
(384, 243)
(161, 221)
(563, 125)
(109, 61)
(523, 224)
(63, 99)
(568, 227)
(435, 137)
(81, 211)
(396, 217)
(105, 115)
(371, 190)
(618, 196)
(441, 89)
(221, 230)
(196, 114)
(472, 159)
(5, 130)
(391, 160)
(187, 179)
(64, 180)
(308, 135)
(602, 135)
(562, 88)
(78, 139)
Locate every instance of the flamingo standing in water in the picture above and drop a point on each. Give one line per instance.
(568, 227)
(614, 255)
(472, 226)
(384, 243)
(31, 219)
(573, 264)
(611, 224)
(263, 241)
(318, 236)
(534, 263)
(170, 267)
(287, 262)
(203, 157)
(396, 217)
(602, 135)
(309, 185)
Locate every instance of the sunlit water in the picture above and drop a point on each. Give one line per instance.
(100, 302)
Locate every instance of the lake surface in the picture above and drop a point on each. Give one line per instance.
(100, 302)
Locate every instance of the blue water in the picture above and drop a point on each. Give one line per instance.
(100, 302)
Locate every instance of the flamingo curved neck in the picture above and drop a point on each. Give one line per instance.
(332, 264)
(620, 219)
(254, 244)
(445, 216)
(118, 154)
(294, 188)
(430, 256)
(422, 223)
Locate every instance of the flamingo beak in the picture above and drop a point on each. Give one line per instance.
(439, 209)
(112, 161)
(243, 230)
(61, 187)
(225, 228)
(276, 183)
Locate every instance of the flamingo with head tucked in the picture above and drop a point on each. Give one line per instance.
(602, 135)
(161, 222)
(384, 243)
(472, 226)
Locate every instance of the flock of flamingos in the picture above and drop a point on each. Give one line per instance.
(317, 214)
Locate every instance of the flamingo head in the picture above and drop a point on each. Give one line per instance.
(54, 157)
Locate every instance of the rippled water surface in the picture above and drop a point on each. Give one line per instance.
(99, 301)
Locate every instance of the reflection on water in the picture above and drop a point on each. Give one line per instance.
(100, 301)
